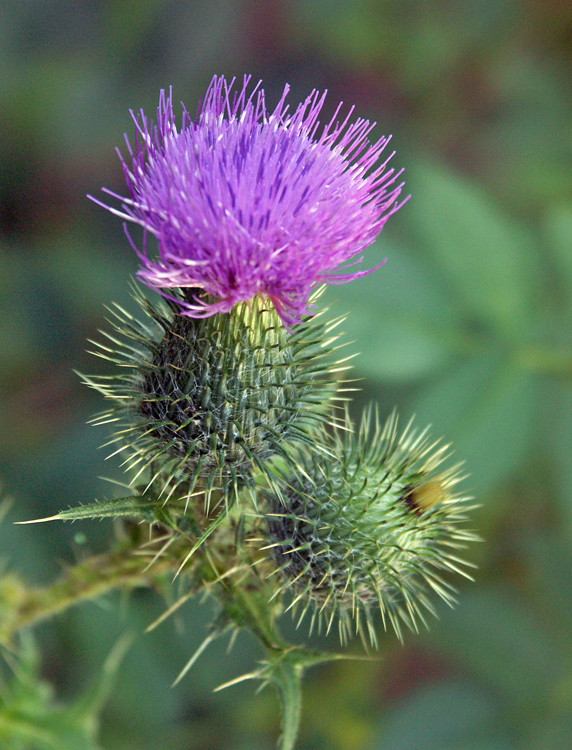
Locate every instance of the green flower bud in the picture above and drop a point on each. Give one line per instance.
(203, 403)
(371, 527)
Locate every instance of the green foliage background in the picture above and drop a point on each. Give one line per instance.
(468, 326)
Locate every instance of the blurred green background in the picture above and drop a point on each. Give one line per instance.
(468, 326)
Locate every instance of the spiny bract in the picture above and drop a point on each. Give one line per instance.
(370, 527)
(203, 403)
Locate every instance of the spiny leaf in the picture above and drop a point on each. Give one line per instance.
(124, 506)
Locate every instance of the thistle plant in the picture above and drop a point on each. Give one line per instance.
(228, 399)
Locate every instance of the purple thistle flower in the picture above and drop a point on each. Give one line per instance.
(246, 202)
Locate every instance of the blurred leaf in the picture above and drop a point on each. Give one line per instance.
(560, 451)
(16, 332)
(484, 407)
(398, 317)
(147, 712)
(558, 229)
(531, 140)
(488, 259)
(552, 734)
(129, 21)
(30, 719)
(87, 275)
(441, 717)
(494, 635)
(398, 349)
(346, 28)
(553, 562)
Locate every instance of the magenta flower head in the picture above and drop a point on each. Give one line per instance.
(247, 202)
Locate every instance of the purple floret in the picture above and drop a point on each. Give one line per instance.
(246, 202)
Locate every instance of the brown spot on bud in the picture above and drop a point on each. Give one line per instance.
(421, 497)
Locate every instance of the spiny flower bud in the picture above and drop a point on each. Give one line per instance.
(370, 527)
(205, 402)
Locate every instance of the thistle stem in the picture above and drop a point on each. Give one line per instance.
(86, 580)
(247, 606)
(288, 684)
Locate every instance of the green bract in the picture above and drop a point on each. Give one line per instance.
(205, 403)
(369, 528)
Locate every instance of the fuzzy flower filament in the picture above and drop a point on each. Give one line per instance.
(246, 202)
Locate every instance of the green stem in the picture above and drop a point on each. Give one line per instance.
(287, 680)
(86, 580)
(246, 605)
